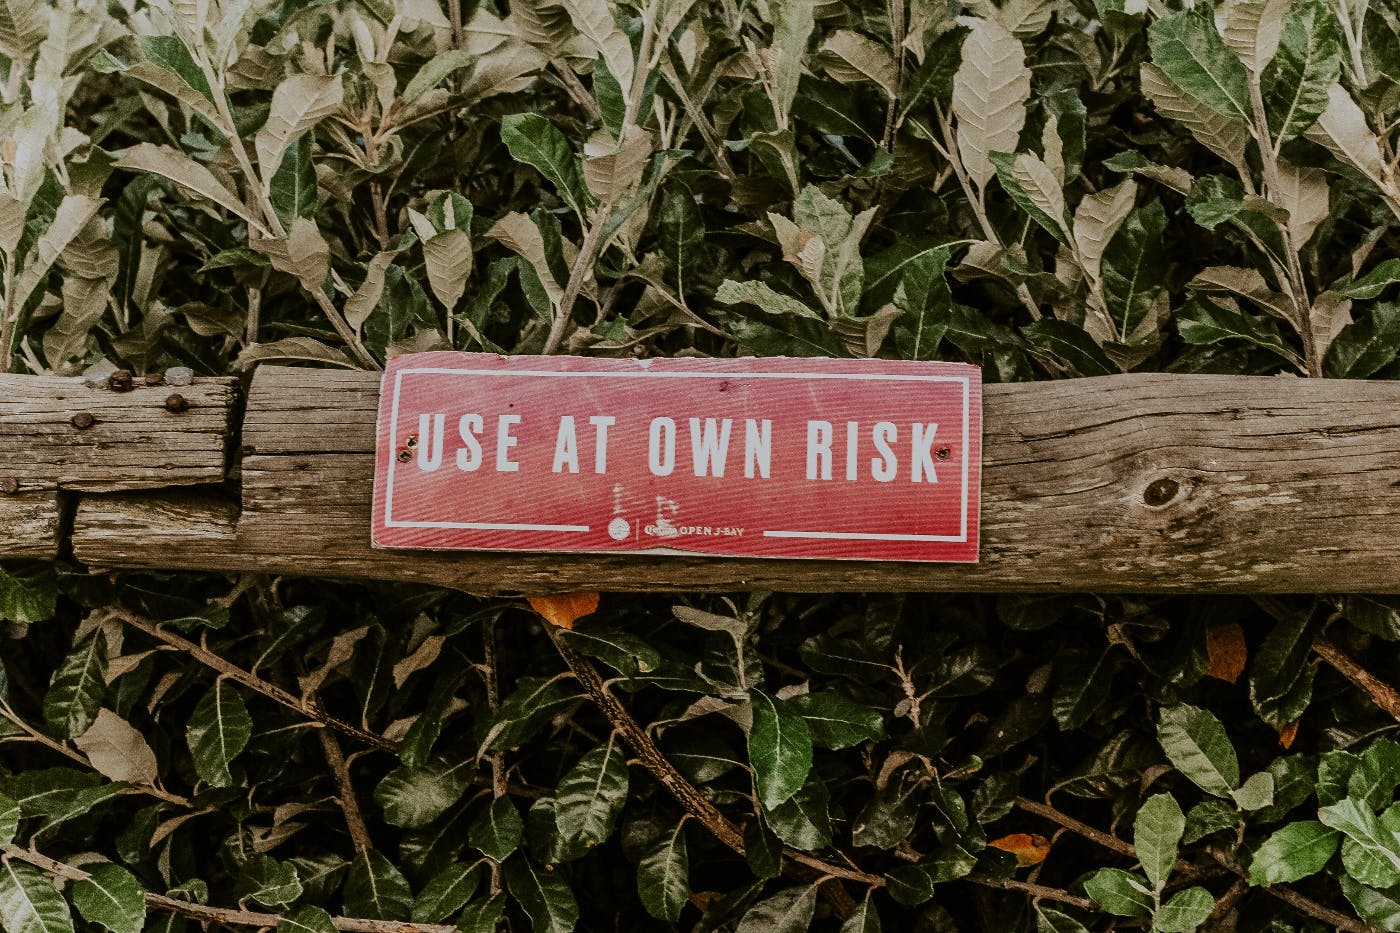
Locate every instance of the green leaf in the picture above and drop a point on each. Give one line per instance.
(680, 234)
(865, 919)
(1134, 267)
(112, 898)
(417, 796)
(1156, 832)
(308, 918)
(447, 892)
(1085, 679)
(376, 890)
(788, 911)
(1186, 911)
(1196, 743)
(28, 592)
(1376, 775)
(29, 903)
(1374, 282)
(79, 684)
(1204, 322)
(1293, 852)
(496, 832)
(780, 750)
(434, 71)
(1120, 892)
(1256, 793)
(1035, 189)
(545, 895)
(663, 876)
(1363, 862)
(1372, 837)
(912, 885)
(218, 731)
(269, 882)
(1052, 921)
(1281, 672)
(533, 703)
(1309, 61)
(590, 797)
(532, 139)
(293, 186)
(1069, 344)
(1214, 199)
(803, 821)
(170, 54)
(9, 820)
(836, 721)
(1189, 49)
(1378, 908)
(484, 916)
(757, 293)
(1366, 345)
(763, 851)
(925, 304)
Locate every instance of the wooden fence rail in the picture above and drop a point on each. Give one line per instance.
(1147, 483)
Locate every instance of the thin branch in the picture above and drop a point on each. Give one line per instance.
(1381, 693)
(35, 735)
(349, 803)
(661, 768)
(225, 915)
(1289, 896)
(308, 708)
(1038, 891)
(1327, 915)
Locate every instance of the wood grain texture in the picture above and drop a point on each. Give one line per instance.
(1146, 483)
(64, 432)
(30, 524)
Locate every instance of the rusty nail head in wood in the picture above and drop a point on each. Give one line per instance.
(154, 379)
(412, 440)
(120, 381)
(9, 485)
(405, 456)
(82, 421)
(942, 453)
(177, 403)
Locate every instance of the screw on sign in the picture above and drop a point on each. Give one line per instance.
(775, 457)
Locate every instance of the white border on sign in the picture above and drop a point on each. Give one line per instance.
(389, 522)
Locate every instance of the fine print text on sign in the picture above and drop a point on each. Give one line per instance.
(755, 457)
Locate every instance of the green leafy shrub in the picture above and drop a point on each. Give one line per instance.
(1044, 188)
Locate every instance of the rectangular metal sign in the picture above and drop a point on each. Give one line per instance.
(753, 457)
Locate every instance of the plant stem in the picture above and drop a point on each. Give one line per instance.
(1302, 304)
(1381, 693)
(897, 32)
(661, 768)
(349, 804)
(308, 708)
(1038, 891)
(583, 266)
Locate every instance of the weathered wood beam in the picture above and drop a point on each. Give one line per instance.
(1147, 483)
(61, 433)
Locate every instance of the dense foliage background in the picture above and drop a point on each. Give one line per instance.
(1047, 188)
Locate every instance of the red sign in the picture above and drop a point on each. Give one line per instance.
(776, 457)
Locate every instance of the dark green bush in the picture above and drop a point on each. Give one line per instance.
(1047, 188)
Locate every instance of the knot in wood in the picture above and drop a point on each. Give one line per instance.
(1160, 491)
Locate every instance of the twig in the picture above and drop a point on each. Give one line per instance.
(225, 915)
(1038, 891)
(310, 709)
(1327, 915)
(665, 772)
(582, 268)
(1381, 693)
(1289, 896)
(35, 735)
(349, 804)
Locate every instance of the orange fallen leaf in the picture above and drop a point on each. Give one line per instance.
(1227, 650)
(1029, 848)
(703, 899)
(565, 609)
(1287, 734)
